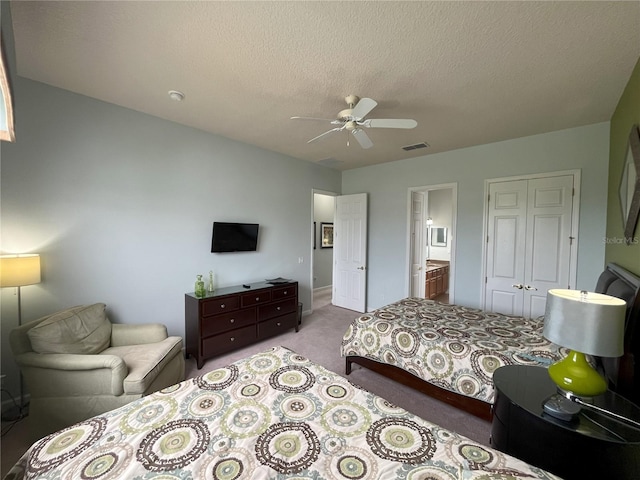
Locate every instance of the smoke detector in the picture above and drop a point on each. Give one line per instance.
(176, 95)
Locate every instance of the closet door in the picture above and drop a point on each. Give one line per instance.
(506, 246)
(529, 243)
(548, 241)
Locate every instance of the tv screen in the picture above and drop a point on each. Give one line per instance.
(234, 237)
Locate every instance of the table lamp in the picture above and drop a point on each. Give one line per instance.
(586, 323)
(19, 271)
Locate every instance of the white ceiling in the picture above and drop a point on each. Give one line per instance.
(470, 73)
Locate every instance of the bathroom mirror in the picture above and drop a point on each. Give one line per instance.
(439, 236)
(630, 186)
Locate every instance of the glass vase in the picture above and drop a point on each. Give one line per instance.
(200, 291)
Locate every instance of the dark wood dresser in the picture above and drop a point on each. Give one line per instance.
(234, 317)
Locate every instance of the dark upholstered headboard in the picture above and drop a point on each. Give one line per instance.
(622, 372)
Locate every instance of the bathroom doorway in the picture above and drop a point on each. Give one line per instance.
(431, 242)
(321, 253)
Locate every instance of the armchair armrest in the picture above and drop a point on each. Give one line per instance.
(49, 373)
(127, 334)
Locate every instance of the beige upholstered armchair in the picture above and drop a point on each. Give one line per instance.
(77, 364)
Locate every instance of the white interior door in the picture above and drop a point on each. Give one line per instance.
(506, 246)
(549, 242)
(418, 244)
(350, 252)
(529, 243)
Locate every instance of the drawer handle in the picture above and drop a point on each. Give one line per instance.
(222, 305)
(232, 339)
(232, 320)
(285, 292)
(278, 324)
(257, 299)
(277, 308)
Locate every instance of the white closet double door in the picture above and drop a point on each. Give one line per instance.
(529, 243)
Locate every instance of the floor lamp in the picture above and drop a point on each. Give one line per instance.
(19, 271)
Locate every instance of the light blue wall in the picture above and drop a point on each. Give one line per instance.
(585, 148)
(120, 206)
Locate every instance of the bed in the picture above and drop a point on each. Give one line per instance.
(450, 352)
(272, 415)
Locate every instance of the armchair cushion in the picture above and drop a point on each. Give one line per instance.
(145, 362)
(83, 329)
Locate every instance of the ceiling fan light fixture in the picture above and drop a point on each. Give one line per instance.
(353, 119)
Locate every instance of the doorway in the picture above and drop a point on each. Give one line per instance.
(323, 210)
(431, 241)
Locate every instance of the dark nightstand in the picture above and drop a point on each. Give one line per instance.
(590, 446)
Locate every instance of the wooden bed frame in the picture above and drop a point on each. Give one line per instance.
(621, 373)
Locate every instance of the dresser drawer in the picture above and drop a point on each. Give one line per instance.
(255, 298)
(228, 321)
(277, 325)
(219, 305)
(285, 292)
(231, 340)
(276, 309)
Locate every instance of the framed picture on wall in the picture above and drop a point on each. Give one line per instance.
(6, 103)
(630, 186)
(326, 235)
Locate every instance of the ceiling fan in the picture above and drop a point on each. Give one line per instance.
(353, 120)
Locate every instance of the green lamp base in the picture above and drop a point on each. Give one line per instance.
(574, 374)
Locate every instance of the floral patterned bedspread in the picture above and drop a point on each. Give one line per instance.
(270, 416)
(456, 348)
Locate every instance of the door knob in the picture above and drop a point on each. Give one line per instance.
(519, 286)
(529, 287)
(361, 268)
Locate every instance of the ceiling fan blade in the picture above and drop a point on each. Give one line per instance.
(337, 129)
(362, 138)
(363, 107)
(330, 120)
(389, 123)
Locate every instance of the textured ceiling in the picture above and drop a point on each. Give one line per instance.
(470, 73)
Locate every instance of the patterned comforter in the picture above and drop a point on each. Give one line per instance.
(452, 347)
(273, 415)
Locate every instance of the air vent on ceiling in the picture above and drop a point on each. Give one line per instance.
(415, 146)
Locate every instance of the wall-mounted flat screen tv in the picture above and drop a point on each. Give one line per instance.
(234, 237)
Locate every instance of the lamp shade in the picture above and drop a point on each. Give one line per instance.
(19, 270)
(586, 322)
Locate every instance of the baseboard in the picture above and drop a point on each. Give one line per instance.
(322, 289)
